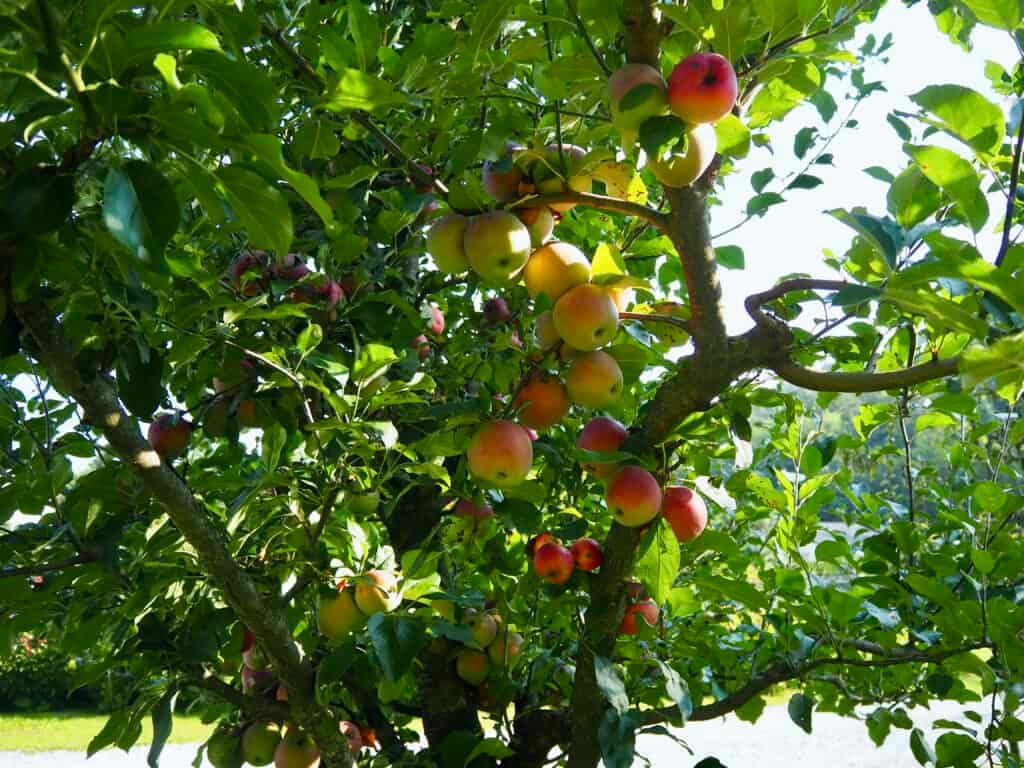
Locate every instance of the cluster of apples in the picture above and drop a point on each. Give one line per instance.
(253, 272)
(349, 608)
(701, 90)
(492, 646)
(638, 606)
(555, 563)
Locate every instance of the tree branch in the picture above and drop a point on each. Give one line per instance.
(756, 301)
(259, 708)
(574, 9)
(1011, 198)
(859, 381)
(58, 565)
(654, 317)
(600, 202)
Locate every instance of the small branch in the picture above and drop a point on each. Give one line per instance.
(601, 202)
(678, 322)
(574, 9)
(859, 382)
(754, 302)
(259, 708)
(1011, 198)
(57, 565)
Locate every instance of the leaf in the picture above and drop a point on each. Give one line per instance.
(983, 560)
(373, 359)
(485, 27)
(163, 722)
(396, 641)
(247, 88)
(608, 260)
(617, 738)
(611, 684)
(804, 140)
(943, 312)
(759, 204)
(854, 294)
(882, 234)
(659, 136)
(309, 339)
(805, 181)
(259, 207)
(800, 708)
(677, 690)
(710, 762)
(956, 177)
(108, 733)
(740, 591)
(275, 437)
(978, 363)
(1001, 14)
(966, 114)
(492, 747)
(270, 151)
(999, 281)
(37, 201)
(923, 752)
(140, 210)
(733, 136)
(317, 141)
(912, 198)
(957, 750)
(657, 563)
(147, 40)
(351, 89)
(880, 173)
(140, 370)
(365, 32)
(335, 665)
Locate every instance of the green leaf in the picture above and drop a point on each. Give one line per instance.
(147, 40)
(677, 690)
(607, 260)
(37, 201)
(617, 737)
(956, 177)
(373, 359)
(140, 370)
(731, 589)
(140, 210)
(492, 747)
(335, 665)
(759, 204)
(805, 181)
(983, 560)
(246, 87)
(957, 750)
(396, 641)
(611, 685)
(981, 362)
(309, 339)
(882, 234)
(260, 208)
(163, 722)
(351, 89)
(365, 32)
(485, 27)
(317, 141)
(730, 257)
(275, 437)
(965, 114)
(999, 281)
(781, 94)
(922, 750)
(804, 140)
(270, 151)
(657, 563)
(991, 497)
(659, 136)
(733, 136)
(943, 312)
(108, 733)
(912, 198)
(800, 708)
(1001, 14)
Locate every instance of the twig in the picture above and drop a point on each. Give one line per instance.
(858, 382)
(575, 11)
(57, 565)
(1011, 199)
(678, 322)
(601, 202)
(754, 302)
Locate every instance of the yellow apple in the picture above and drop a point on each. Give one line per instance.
(377, 592)
(497, 245)
(681, 170)
(444, 243)
(594, 380)
(339, 615)
(555, 268)
(586, 317)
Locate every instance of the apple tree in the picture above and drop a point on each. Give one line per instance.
(367, 389)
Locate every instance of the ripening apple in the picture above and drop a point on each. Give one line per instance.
(469, 509)
(553, 563)
(547, 177)
(247, 413)
(682, 169)
(635, 591)
(602, 434)
(422, 346)
(354, 735)
(281, 694)
(586, 553)
(296, 750)
(259, 741)
(702, 88)
(586, 317)
(500, 454)
(636, 92)
(169, 434)
(647, 610)
(543, 402)
(555, 268)
(505, 649)
(633, 496)
(594, 380)
(217, 418)
(339, 616)
(544, 330)
(622, 297)
(496, 311)
(289, 267)
(685, 511)
(539, 222)
(436, 324)
(497, 245)
(247, 273)
(224, 750)
(501, 178)
(539, 541)
(472, 665)
(377, 592)
(482, 627)
(445, 243)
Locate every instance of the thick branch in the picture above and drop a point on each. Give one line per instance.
(859, 381)
(756, 301)
(642, 21)
(602, 203)
(535, 734)
(57, 565)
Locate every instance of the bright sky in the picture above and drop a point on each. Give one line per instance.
(790, 238)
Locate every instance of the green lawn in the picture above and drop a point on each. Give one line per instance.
(45, 731)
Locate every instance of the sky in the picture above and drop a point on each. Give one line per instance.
(791, 237)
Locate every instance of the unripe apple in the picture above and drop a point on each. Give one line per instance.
(594, 380)
(497, 245)
(543, 402)
(169, 434)
(496, 311)
(547, 173)
(555, 268)
(685, 511)
(702, 88)
(501, 178)
(353, 734)
(539, 541)
(587, 554)
(469, 509)
(586, 317)
(482, 627)
(505, 649)
(681, 170)
(296, 750)
(472, 665)
(436, 324)
(500, 454)
(553, 563)
(604, 435)
(544, 330)
(377, 592)
(539, 222)
(633, 496)
(445, 243)
(224, 750)
(636, 92)
(259, 741)
(339, 616)
(647, 610)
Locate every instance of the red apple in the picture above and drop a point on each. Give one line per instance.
(648, 100)
(635, 591)
(702, 88)
(353, 734)
(472, 665)
(501, 177)
(290, 267)
(543, 401)
(496, 311)
(602, 434)
(169, 434)
(422, 346)
(470, 510)
(500, 454)
(553, 563)
(587, 554)
(633, 496)
(537, 542)
(436, 324)
(685, 511)
(648, 609)
(247, 284)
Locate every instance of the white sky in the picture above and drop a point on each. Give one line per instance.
(790, 238)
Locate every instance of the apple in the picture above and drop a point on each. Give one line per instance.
(636, 92)
(289, 267)
(377, 592)
(501, 178)
(635, 591)
(472, 665)
(587, 554)
(363, 503)
(497, 245)
(539, 222)
(604, 435)
(539, 541)
(633, 496)
(685, 511)
(445, 243)
(353, 734)
(368, 735)
(444, 608)
(496, 311)
(436, 324)
(242, 271)
(543, 401)
(555, 268)
(500, 454)
(422, 346)
(702, 88)
(547, 178)
(482, 627)
(586, 317)
(470, 510)
(247, 413)
(259, 741)
(169, 434)
(544, 330)
(296, 750)
(255, 659)
(594, 380)
(224, 750)
(553, 563)
(647, 609)
(330, 292)
(622, 297)
(681, 170)
(339, 616)
(505, 649)
(256, 680)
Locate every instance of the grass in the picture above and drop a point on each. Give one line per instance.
(46, 731)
